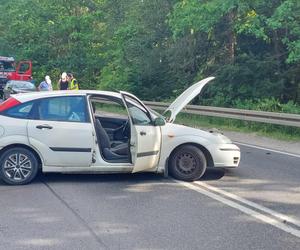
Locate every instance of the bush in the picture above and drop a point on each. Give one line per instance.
(271, 105)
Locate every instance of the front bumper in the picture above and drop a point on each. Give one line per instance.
(226, 156)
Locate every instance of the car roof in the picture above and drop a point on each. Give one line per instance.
(24, 97)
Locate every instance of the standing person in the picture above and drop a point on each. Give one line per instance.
(63, 83)
(73, 82)
(46, 85)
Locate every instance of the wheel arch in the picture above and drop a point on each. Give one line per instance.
(209, 159)
(39, 159)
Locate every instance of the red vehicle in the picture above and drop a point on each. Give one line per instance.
(10, 71)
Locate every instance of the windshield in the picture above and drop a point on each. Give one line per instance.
(6, 66)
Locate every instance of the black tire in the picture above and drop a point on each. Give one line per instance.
(187, 163)
(18, 166)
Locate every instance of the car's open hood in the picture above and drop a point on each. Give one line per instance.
(188, 95)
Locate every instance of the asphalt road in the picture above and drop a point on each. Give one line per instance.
(226, 209)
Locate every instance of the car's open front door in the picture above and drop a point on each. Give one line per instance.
(145, 139)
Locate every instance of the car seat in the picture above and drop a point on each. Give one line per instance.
(119, 152)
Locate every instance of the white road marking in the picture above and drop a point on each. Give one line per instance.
(251, 204)
(268, 149)
(244, 209)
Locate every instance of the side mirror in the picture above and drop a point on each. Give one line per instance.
(159, 121)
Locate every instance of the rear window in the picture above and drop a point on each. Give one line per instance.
(21, 111)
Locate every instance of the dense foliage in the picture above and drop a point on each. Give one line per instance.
(156, 48)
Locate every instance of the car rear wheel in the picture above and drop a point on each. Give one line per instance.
(18, 166)
(187, 163)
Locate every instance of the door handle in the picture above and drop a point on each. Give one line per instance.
(142, 133)
(44, 126)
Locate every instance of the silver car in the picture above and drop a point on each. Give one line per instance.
(15, 87)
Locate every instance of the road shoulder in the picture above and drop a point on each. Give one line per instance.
(260, 141)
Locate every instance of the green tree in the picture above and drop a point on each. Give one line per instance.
(244, 51)
(55, 36)
(156, 48)
(137, 51)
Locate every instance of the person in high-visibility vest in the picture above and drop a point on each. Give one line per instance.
(73, 84)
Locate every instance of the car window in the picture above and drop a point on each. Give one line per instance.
(138, 113)
(66, 108)
(108, 107)
(20, 111)
(23, 68)
(6, 66)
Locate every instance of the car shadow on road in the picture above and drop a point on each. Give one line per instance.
(82, 178)
(211, 174)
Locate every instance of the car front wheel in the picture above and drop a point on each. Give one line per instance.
(18, 166)
(187, 163)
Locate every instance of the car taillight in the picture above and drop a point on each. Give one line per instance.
(9, 103)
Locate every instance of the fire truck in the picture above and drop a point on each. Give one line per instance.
(9, 70)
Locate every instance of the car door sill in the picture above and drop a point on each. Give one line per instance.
(92, 169)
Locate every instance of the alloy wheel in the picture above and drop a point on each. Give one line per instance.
(17, 167)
